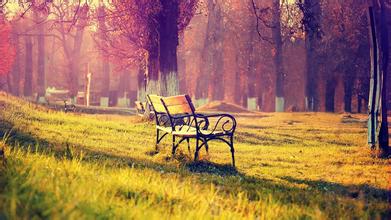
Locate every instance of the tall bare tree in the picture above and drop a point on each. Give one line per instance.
(28, 73)
(105, 64)
(311, 11)
(68, 24)
(40, 18)
(211, 85)
(378, 133)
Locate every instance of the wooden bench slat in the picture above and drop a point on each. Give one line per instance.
(157, 103)
(139, 105)
(179, 109)
(159, 108)
(176, 100)
(178, 104)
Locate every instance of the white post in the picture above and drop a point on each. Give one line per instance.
(88, 89)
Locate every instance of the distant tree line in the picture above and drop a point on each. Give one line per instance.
(263, 55)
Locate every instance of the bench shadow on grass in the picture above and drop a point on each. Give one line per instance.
(325, 195)
(208, 167)
(203, 166)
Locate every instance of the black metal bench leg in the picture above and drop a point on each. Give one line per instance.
(157, 140)
(232, 150)
(196, 150)
(188, 144)
(173, 145)
(157, 136)
(206, 146)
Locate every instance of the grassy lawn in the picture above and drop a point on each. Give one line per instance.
(289, 166)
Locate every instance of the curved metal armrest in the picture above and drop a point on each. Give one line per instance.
(182, 116)
(175, 122)
(162, 120)
(225, 123)
(189, 121)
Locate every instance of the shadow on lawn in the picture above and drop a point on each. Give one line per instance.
(369, 196)
(208, 167)
(15, 136)
(249, 116)
(264, 139)
(334, 199)
(257, 127)
(363, 191)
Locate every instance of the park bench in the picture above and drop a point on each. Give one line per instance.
(140, 108)
(61, 104)
(69, 107)
(176, 115)
(144, 110)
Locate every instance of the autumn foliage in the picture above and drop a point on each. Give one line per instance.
(134, 28)
(7, 51)
(262, 55)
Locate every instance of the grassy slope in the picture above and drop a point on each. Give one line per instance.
(289, 165)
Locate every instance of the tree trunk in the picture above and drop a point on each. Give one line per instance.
(28, 75)
(372, 121)
(383, 133)
(250, 101)
(312, 99)
(359, 104)
(123, 85)
(141, 83)
(311, 81)
(330, 95)
(216, 85)
(106, 79)
(238, 87)
(348, 93)
(75, 62)
(41, 61)
(73, 79)
(278, 59)
(211, 82)
(182, 65)
(152, 72)
(16, 68)
(202, 82)
(168, 43)
(9, 84)
(106, 66)
(374, 94)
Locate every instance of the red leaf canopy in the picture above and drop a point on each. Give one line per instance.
(7, 51)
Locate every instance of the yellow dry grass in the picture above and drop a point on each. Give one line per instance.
(289, 166)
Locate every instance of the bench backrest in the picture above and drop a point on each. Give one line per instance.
(156, 104)
(167, 109)
(139, 106)
(180, 104)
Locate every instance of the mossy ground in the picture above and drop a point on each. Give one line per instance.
(289, 166)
